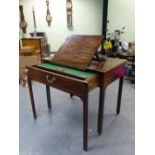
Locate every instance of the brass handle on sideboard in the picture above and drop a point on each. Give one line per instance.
(50, 80)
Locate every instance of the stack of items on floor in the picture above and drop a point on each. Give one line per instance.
(129, 54)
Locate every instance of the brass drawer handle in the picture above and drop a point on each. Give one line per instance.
(51, 80)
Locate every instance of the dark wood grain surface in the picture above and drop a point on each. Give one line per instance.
(105, 65)
(77, 51)
(80, 87)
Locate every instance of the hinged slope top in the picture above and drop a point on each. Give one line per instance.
(77, 51)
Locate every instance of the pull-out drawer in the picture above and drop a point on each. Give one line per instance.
(66, 83)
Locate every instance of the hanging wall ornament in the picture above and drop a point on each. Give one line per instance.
(23, 23)
(48, 16)
(69, 12)
(34, 20)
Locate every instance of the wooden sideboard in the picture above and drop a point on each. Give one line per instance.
(40, 43)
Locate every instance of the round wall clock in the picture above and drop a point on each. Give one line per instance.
(69, 5)
(23, 24)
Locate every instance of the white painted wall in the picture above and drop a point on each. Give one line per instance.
(122, 13)
(87, 18)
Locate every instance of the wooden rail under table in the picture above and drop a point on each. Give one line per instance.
(79, 86)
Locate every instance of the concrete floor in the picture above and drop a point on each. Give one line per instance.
(59, 132)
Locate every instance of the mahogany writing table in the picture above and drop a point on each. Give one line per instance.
(79, 82)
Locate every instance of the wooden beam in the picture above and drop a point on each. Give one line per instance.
(104, 21)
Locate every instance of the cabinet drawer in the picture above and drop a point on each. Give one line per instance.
(59, 81)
